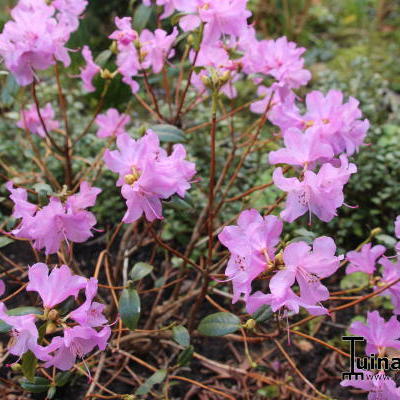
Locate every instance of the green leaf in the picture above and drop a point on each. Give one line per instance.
(103, 57)
(140, 270)
(16, 312)
(181, 335)
(129, 308)
(387, 240)
(38, 385)
(155, 379)
(185, 356)
(178, 204)
(28, 365)
(51, 392)
(169, 133)
(262, 314)
(9, 91)
(62, 378)
(141, 17)
(354, 280)
(219, 324)
(4, 241)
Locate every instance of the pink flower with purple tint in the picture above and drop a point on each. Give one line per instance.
(55, 287)
(47, 227)
(23, 331)
(30, 120)
(2, 287)
(320, 194)
(111, 123)
(391, 272)
(378, 333)
(89, 71)
(90, 313)
(223, 17)
(35, 39)
(302, 149)
(147, 174)
(155, 48)
(124, 35)
(76, 343)
(307, 267)
(365, 259)
(252, 245)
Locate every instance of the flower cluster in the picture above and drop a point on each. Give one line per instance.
(141, 52)
(48, 226)
(252, 246)
(36, 37)
(147, 174)
(87, 331)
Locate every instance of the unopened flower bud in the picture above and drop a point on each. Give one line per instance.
(250, 324)
(129, 397)
(376, 231)
(207, 82)
(224, 78)
(107, 74)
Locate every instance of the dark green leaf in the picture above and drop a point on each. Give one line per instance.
(51, 392)
(169, 133)
(9, 91)
(39, 385)
(140, 270)
(185, 356)
(262, 314)
(129, 308)
(154, 379)
(62, 378)
(141, 17)
(219, 324)
(28, 365)
(103, 57)
(181, 335)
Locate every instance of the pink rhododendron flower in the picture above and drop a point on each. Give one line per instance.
(307, 267)
(112, 123)
(55, 287)
(140, 52)
(35, 38)
(336, 123)
(124, 35)
(378, 334)
(320, 194)
(30, 120)
(282, 60)
(70, 11)
(55, 222)
(274, 95)
(223, 17)
(147, 174)
(24, 333)
(155, 48)
(365, 259)
(252, 245)
(90, 313)
(391, 272)
(89, 71)
(302, 149)
(76, 343)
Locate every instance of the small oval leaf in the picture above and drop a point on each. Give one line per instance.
(140, 270)
(154, 379)
(219, 324)
(129, 308)
(185, 356)
(181, 335)
(169, 133)
(38, 385)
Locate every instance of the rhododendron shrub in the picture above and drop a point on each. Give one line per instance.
(95, 295)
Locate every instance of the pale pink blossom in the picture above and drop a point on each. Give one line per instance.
(365, 259)
(111, 123)
(30, 120)
(89, 71)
